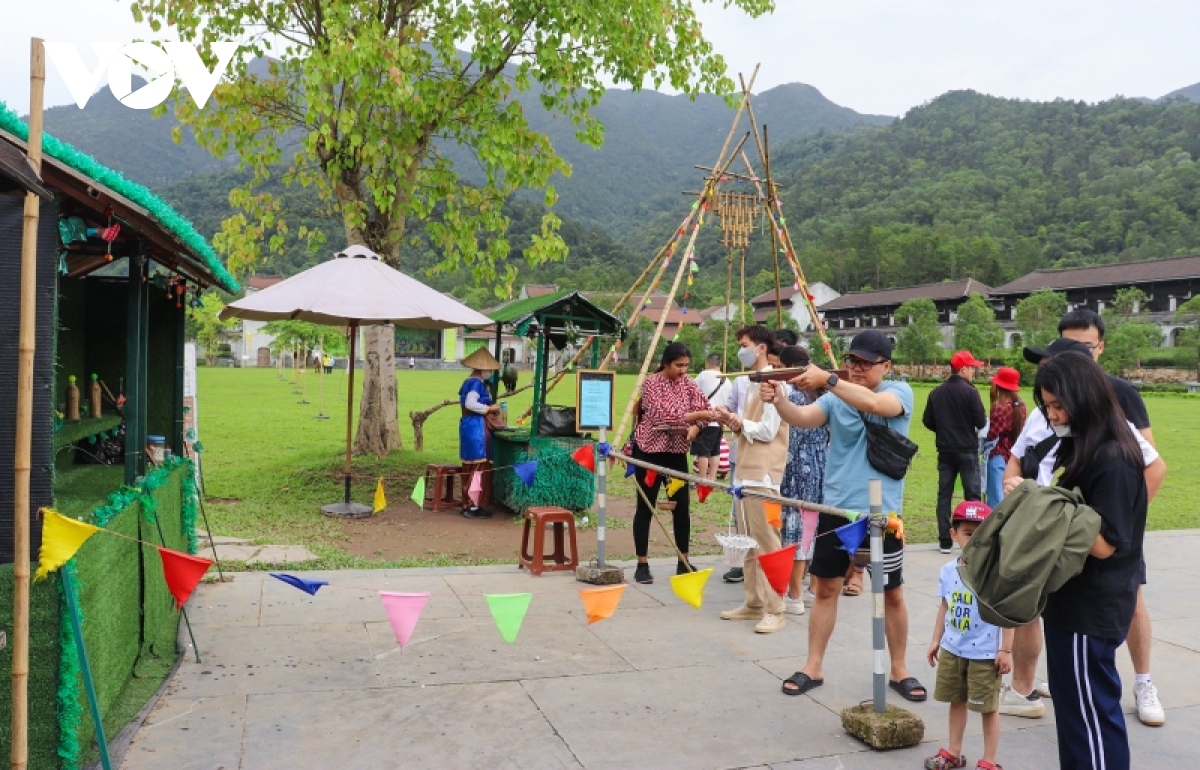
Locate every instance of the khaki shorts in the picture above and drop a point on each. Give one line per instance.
(974, 682)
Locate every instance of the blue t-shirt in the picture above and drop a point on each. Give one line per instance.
(966, 635)
(847, 469)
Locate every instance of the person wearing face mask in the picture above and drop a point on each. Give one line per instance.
(1090, 615)
(1033, 456)
(762, 458)
(844, 408)
(737, 397)
(671, 411)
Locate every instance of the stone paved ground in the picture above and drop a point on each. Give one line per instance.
(292, 681)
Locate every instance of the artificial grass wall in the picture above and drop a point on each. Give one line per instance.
(129, 622)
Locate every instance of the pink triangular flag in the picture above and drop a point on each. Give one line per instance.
(476, 488)
(403, 610)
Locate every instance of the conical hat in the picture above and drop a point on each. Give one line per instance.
(481, 360)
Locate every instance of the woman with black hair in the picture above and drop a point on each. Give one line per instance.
(1089, 617)
(671, 411)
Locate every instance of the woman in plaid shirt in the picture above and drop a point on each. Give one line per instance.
(671, 411)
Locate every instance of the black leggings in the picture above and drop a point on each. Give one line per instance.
(676, 461)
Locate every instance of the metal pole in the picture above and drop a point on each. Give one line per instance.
(350, 404)
(183, 610)
(878, 522)
(601, 503)
(88, 686)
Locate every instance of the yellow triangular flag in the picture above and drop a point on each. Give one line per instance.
(418, 495)
(61, 538)
(674, 485)
(690, 586)
(380, 499)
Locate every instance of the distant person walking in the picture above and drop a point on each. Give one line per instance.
(1004, 426)
(707, 446)
(412, 363)
(954, 413)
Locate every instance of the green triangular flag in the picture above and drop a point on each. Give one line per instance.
(418, 495)
(508, 610)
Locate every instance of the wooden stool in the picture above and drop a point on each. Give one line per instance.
(536, 519)
(439, 487)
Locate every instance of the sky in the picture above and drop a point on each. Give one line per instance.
(875, 56)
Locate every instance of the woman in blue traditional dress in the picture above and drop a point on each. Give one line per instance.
(476, 401)
(803, 479)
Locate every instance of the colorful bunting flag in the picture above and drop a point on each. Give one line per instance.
(508, 610)
(475, 490)
(380, 499)
(774, 513)
(651, 477)
(853, 534)
(61, 538)
(690, 586)
(418, 493)
(630, 469)
(702, 492)
(403, 611)
(895, 525)
(182, 572)
(674, 485)
(601, 603)
(777, 566)
(526, 472)
(309, 587)
(586, 457)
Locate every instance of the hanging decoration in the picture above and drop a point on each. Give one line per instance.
(777, 566)
(690, 586)
(380, 498)
(774, 513)
(61, 538)
(853, 534)
(403, 611)
(601, 603)
(527, 472)
(418, 493)
(309, 587)
(586, 457)
(182, 572)
(508, 610)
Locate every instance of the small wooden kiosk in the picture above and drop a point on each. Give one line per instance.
(559, 321)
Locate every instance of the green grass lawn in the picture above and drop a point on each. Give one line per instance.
(267, 451)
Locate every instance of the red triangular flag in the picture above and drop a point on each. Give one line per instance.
(651, 477)
(586, 457)
(777, 566)
(182, 572)
(702, 492)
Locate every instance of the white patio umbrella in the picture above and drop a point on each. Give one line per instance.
(353, 289)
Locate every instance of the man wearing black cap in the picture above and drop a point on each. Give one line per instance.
(845, 408)
(955, 415)
(1033, 456)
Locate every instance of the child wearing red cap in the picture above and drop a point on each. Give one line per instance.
(1004, 426)
(970, 655)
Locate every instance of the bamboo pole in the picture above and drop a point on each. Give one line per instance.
(22, 465)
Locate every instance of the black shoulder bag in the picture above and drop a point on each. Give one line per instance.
(888, 451)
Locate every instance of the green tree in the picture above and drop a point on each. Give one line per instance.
(1037, 317)
(920, 342)
(1126, 302)
(1123, 344)
(209, 329)
(306, 336)
(376, 94)
(975, 328)
(1189, 313)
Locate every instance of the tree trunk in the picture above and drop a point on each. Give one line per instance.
(378, 414)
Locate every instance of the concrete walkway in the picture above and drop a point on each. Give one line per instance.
(291, 681)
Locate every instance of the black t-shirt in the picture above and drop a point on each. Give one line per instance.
(1131, 402)
(1099, 601)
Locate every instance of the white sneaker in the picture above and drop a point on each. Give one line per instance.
(793, 606)
(1150, 711)
(1014, 704)
(809, 597)
(770, 624)
(1042, 689)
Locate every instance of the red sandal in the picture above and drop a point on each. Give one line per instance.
(944, 760)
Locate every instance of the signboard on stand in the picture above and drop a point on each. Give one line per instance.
(595, 397)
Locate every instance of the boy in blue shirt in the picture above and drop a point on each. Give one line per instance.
(970, 655)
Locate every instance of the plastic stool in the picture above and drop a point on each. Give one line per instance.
(536, 519)
(439, 487)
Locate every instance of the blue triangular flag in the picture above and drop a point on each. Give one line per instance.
(630, 469)
(853, 534)
(526, 472)
(307, 586)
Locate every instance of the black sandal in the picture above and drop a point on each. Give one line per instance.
(803, 683)
(906, 687)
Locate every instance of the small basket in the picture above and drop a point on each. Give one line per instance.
(734, 548)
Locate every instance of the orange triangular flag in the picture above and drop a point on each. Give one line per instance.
(586, 457)
(774, 513)
(601, 603)
(182, 572)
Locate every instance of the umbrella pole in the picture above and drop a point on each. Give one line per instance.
(350, 401)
